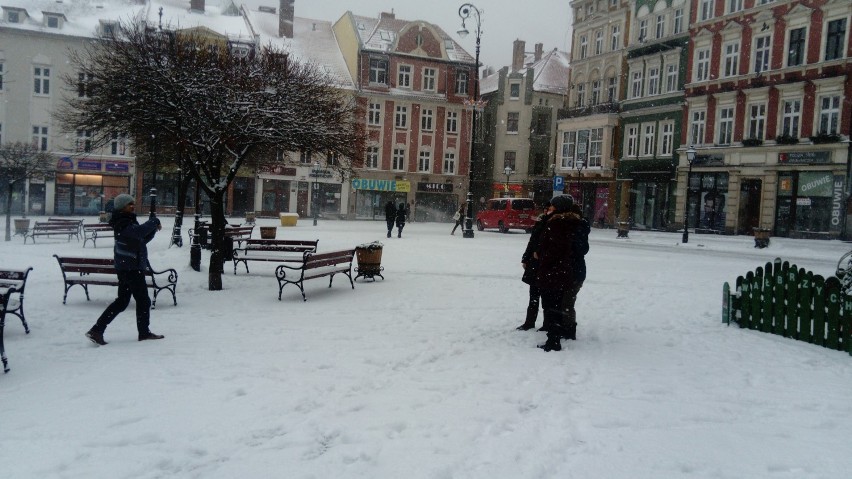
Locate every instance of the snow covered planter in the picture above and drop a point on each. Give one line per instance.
(369, 260)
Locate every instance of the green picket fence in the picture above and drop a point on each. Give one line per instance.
(780, 298)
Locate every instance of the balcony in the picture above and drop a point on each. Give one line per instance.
(600, 108)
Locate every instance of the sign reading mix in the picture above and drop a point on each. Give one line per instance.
(381, 185)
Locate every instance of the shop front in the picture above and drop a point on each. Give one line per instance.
(593, 198)
(435, 202)
(371, 195)
(809, 204)
(85, 186)
(708, 202)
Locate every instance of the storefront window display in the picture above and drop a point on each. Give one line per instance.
(712, 201)
(275, 197)
(806, 202)
(17, 197)
(78, 194)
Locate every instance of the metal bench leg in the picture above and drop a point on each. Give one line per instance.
(2, 347)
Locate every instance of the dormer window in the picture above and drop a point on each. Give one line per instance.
(13, 17)
(108, 29)
(14, 14)
(53, 20)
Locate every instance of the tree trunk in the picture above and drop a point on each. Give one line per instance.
(217, 238)
(9, 214)
(181, 207)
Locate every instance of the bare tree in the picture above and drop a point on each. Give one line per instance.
(20, 162)
(215, 110)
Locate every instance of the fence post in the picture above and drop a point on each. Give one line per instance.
(726, 304)
(806, 321)
(832, 303)
(819, 310)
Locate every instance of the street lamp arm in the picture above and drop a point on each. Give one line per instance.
(467, 10)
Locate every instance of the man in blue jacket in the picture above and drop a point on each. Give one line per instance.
(131, 262)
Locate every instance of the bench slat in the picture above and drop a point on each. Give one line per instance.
(102, 272)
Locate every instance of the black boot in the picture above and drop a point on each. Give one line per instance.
(552, 344)
(526, 326)
(96, 337)
(149, 336)
(570, 332)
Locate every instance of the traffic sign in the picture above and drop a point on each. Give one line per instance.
(558, 183)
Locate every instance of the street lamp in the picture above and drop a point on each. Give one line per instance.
(469, 11)
(153, 192)
(508, 172)
(690, 157)
(314, 207)
(579, 164)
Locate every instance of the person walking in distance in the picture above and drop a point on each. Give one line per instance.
(400, 220)
(530, 265)
(131, 262)
(459, 217)
(562, 269)
(390, 216)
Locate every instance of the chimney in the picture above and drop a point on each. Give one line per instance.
(285, 19)
(389, 16)
(539, 50)
(518, 54)
(196, 6)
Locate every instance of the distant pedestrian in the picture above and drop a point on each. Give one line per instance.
(407, 212)
(390, 216)
(459, 217)
(131, 262)
(400, 220)
(530, 265)
(562, 269)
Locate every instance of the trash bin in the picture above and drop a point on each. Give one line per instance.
(268, 232)
(761, 237)
(103, 216)
(22, 226)
(288, 219)
(623, 229)
(369, 260)
(251, 217)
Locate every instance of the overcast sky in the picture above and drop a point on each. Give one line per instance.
(503, 21)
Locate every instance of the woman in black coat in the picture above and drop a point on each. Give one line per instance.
(390, 216)
(562, 269)
(530, 264)
(400, 220)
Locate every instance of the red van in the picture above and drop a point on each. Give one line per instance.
(507, 213)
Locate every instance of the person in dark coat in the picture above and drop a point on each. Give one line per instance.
(131, 262)
(400, 220)
(390, 216)
(562, 269)
(460, 219)
(530, 264)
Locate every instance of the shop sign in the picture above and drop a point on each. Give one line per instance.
(435, 187)
(118, 166)
(837, 204)
(709, 160)
(321, 174)
(92, 165)
(816, 183)
(804, 157)
(803, 201)
(277, 170)
(381, 185)
(65, 163)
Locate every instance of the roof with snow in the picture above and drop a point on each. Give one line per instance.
(550, 73)
(381, 34)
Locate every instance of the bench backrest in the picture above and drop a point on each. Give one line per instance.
(50, 226)
(70, 264)
(97, 227)
(239, 231)
(14, 278)
(287, 246)
(314, 260)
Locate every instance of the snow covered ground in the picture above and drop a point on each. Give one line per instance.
(423, 375)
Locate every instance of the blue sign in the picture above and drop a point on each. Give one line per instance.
(558, 183)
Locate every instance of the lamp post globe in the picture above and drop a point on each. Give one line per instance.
(469, 12)
(690, 157)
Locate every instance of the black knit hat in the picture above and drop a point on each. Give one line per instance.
(561, 203)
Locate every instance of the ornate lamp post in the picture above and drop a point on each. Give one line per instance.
(153, 192)
(690, 157)
(579, 164)
(508, 172)
(469, 11)
(195, 246)
(314, 208)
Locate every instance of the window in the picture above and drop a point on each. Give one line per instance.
(796, 51)
(610, 90)
(829, 115)
(660, 29)
(461, 83)
(671, 78)
(452, 122)
(653, 80)
(699, 117)
(834, 40)
(429, 75)
(790, 121)
(305, 157)
(762, 51)
(510, 159)
(512, 122)
(735, 5)
(84, 140)
(726, 125)
(648, 139)
(542, 124)
(13, 17)
(595, 147)
(514, 91)
(568, 141)
(584, 47)
(615, 38)
(118, 144)
(374, 114)
(705, 10)
(702, 64)
(678, 21)
(41, 81)
(84, 89)
(378, 70)
(732, 59)
(40, 137)
(403, 78)
(52, 21)
(764, 2)
(667, 139)
(372, 159)
(632, 147)
(756, 121)
(401, 117)
(424, 161)
(598, 42)
(636, 85)
(449, 163)
(581, 94)
(426, 116)
(596, 92)
(643, 30)
(398, 159)
(332, 158)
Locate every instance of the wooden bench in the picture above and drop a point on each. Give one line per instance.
(239, 233)
(272, 250)
(315, 265)
(17, 279)
(51, 228)
(5, 295)
(94, 231)
(68, 221)
(102, 272)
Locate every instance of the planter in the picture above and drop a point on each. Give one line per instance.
(786, 140)
(268, 232)
(251, 217)
(623, 229)
(103, 216)
(22, 226)
(761, 237)
(752, 142)
(288, 219)
(369, 260)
